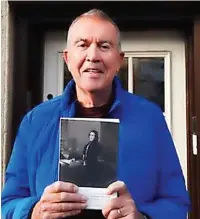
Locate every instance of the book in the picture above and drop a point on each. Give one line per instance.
(88, 156)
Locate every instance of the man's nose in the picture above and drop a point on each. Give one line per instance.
(93, 54)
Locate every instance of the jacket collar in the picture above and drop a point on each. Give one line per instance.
(68, 97)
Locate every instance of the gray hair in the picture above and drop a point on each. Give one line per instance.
(102, 15)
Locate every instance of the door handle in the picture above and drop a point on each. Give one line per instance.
(50, 96)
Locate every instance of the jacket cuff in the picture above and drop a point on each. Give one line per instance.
(31, 211)
(145, 215)
(24, 207)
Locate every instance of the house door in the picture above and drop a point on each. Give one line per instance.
(154, 67)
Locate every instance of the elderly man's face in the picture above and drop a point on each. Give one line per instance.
(92, 54)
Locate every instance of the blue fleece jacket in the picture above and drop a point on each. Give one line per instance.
(148, 161)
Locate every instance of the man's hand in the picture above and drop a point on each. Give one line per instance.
(59, 200)
(122, 206)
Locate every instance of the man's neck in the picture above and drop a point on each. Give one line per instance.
(93, 99)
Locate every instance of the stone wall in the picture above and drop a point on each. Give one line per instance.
(6, 83)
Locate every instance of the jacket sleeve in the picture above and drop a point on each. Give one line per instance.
(16, 199)
(172, 199)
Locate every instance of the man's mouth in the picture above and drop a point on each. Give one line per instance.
(93, 70)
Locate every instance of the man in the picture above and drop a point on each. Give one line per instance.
(91, 150)
(151, 183)
(98, 173)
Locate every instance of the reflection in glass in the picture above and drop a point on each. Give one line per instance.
(123, 74)
(67, 75)
(149, 79)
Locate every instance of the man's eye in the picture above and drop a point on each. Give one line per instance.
(105, 47)
(82, 45)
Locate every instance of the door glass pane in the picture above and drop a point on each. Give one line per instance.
(67, 75)
(149, 79)
(123, 74)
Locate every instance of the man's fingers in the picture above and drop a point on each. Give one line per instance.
(114, 203)
(47, 215)
(62, 207)
(115, 214)
(63, 197)
(61, 187)
(119, 212)
(118, 186)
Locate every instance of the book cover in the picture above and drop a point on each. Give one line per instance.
(88, 156)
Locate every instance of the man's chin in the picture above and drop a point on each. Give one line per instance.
(92, 88)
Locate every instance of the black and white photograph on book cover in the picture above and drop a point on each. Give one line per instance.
(88, 151)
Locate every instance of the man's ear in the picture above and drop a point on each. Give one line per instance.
(122, 57)
(65, 57)
(120, 61)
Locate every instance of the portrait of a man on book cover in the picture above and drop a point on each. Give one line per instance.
(88, 152)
